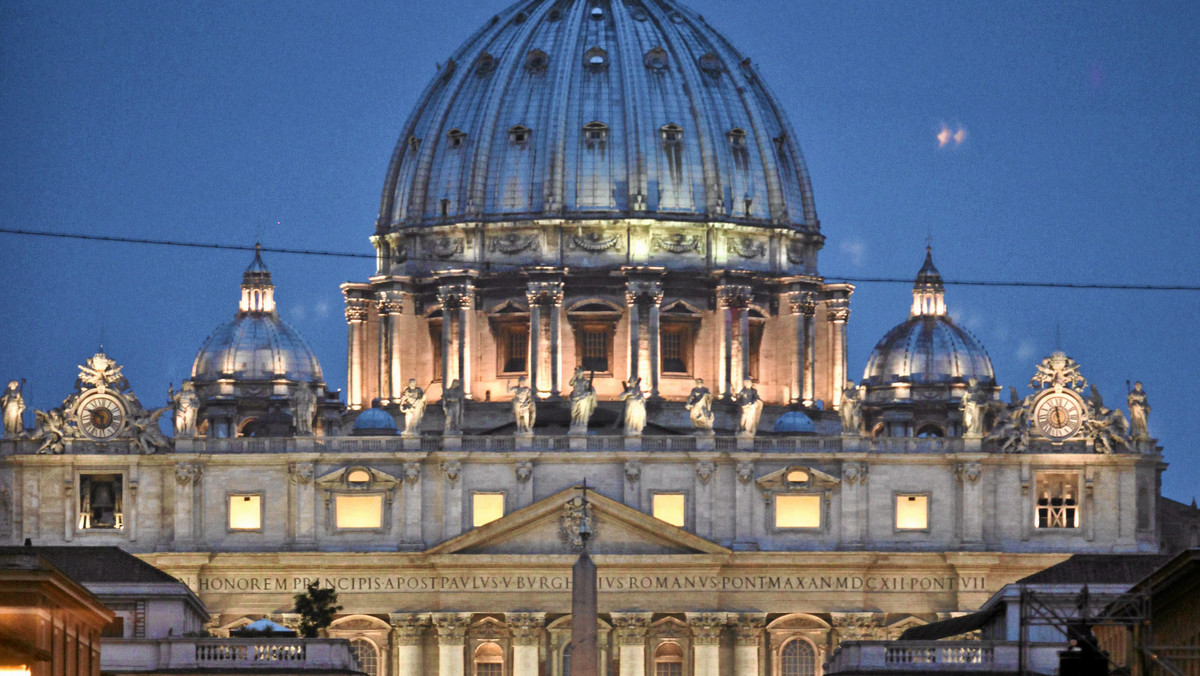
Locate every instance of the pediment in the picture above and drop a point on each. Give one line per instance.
(357, 478)
(539, 529)
(797, 478)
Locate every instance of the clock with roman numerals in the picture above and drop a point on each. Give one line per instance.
(1058, 415)
(100, 416)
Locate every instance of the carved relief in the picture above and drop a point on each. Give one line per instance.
(734, 295)
(747, 247)
(594, 242)
(633, 471)
(524, 471)
(969, 472)
(854, 472)
(631, 627)
(803, 303)
(526, 627)
(576, 512)
(677, 243)
(749, 628)
(444, 247)
(796, 254)
(451, 627)
(186, 473)
(451, 469)
(859, 626)
(706, 627)
(412, 472)
(704, 472)
(513, 243)
(409, 627)
(745, 472)
(300, 472)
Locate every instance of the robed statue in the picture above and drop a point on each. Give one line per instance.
(583, 399)
(851, 410)
(974, 402)
(452, 406)
(412, 405)
(699, 406)
(304, 409)
(186, 405)
(13, 403)
(751, 405)
(524, 406)
(1139, 412)
(635, 407)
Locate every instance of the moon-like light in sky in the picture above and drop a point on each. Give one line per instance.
(945, 136)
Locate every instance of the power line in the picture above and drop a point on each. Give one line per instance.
(345, 254)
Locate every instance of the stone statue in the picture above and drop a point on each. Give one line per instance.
(583, 399)
(851, 410)
(974, 402)
(452, 405)
(699, 406)
(524, 407)
(1011, 430)
(412, 405)
(187, 405)
(1139, 412)
(147, 437)
(635, 407)
(1108, 429)
(304, 409)
(13, 404)
(50, 429)
(752, 406)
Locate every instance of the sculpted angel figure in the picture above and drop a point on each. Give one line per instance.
(452, 405)
(412, 405)
(187, 405)
(50, 431)
(13, 403)
(752, 406)
(524, 407)
(699, 406)
(147, 437)
(635, 407)
(304, 408)
(583, 399)
(1139, 412)
(851, 410)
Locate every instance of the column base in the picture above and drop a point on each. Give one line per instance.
(745, 442)
(633, 443)
(523, 440)
(452, 442)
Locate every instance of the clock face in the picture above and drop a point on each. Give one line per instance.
(101, 417)
(1058, 416)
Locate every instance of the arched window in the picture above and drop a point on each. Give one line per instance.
(930, 430)
(489, 660)
(797, 659)
(668, 660)
(366, 657)
(566, 660)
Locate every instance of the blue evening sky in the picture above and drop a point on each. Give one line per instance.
(222, 121)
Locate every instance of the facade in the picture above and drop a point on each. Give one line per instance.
(596, 262)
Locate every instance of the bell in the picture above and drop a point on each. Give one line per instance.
(102, 505)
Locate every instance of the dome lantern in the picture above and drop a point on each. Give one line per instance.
(929, 295)
(258, 293)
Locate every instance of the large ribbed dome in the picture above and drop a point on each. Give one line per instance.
(928, 348)
(256, 344)
(597, 109)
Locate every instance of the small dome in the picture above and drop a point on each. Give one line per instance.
(374, 422)
(795, 422)
(928, 348)
(256, 344)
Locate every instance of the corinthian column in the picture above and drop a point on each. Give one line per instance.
(388, 310)
(356, 320)
(635, 331)
(706, 642)
(655, 294)
(631, 640)
(838, 314)
(556, 310)
(452, 641)
(736, 300)
(803, 305)
(466, 310)
(527, 638)
(749, 629)
(534, 296)
(408, 634)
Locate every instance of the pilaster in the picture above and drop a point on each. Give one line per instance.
(452, 522)
(452, 641)
(408, 636)
(631, 641)
(411, 538)
(706, 642)
(527, 639)
(300, 480)
(748, 642)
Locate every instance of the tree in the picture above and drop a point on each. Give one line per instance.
(316, 608)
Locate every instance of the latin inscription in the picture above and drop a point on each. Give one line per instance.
(607, 583)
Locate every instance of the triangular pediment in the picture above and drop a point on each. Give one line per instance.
(539, 529)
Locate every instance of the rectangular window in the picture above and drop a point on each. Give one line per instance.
(486, 508)
(435, 337)
(595, 350)
(359, 511)
(676, 348)
(797, 511)
(756, 334)
(101, 502)
(670, 507)
(114, 629)
(1057, 500)
(513, 341)
(912, 512)
(245, 512)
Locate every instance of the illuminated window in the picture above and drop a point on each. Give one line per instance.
(668, 660)
(797, 659)
(245, 512)
(489, 660)
(101, 502)
(486, 508)
(359, 511)
(1057, 500)
(797, 476)
(359, 478)
(669, 507)
(797, 511)
(366, 657)
(912, 512)
(512, 343)
(595, 59)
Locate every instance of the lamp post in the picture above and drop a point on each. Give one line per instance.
(584, 617)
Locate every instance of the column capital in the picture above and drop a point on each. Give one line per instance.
(451, 627)
(803, 303)
(706, 627)
(858, 626)
(389, 303)
(526, 627)
(749, 627)
(636, 289)
(838, 309)
(456, 295)
(734, 295)
(357, 309)
(548, 291)
(631, 627)
(409, 628)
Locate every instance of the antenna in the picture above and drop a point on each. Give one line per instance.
(1058, 336)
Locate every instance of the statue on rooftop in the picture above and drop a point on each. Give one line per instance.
(1139, 412)
(699, 406)
(635, 407)
(752, 406)
(412, 405)
(974, 403)
(452, 405)
(851, 410)
(186, 405)
(51, 430)
(13, 403)
(147, 437)
(583, 399)
(304, 408)
(524, 406)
